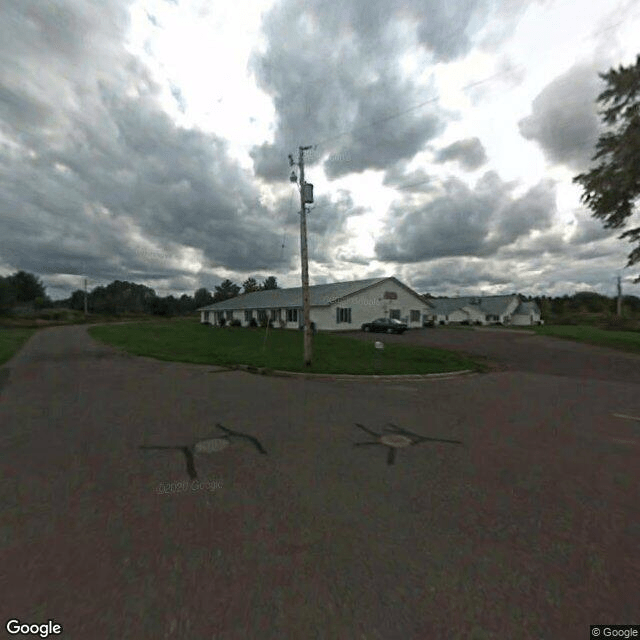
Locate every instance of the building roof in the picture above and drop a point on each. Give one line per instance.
(527, 308)
(319, 294)
(491, 305)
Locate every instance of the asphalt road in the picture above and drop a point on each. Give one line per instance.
(529, 529)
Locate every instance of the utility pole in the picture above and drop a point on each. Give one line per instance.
(85, 297)
(306, 310)
(619, 297)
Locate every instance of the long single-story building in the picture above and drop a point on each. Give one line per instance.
(509, 309)
(334, 307)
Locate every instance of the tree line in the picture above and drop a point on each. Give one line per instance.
(25, 290)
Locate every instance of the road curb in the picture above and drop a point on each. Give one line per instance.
(264, 371)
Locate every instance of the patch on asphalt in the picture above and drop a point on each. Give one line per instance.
(211, 445)
(394, 437)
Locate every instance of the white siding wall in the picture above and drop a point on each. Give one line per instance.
(475, 314)
(458, 316)
(522, 320)
(368, 305)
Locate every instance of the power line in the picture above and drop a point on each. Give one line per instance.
(403, 112)
(470, 85)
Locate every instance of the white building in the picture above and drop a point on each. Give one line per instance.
(334, 307)
(484, 310)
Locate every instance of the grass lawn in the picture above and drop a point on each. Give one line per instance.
(623, 340)
(187, 341)
(11, 340)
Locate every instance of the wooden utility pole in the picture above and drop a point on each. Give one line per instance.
(308, 343)
(619, 309)
(85, 297)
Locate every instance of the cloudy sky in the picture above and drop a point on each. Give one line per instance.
(148, 141)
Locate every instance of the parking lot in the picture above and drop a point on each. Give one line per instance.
(519, 350)
(527, 529)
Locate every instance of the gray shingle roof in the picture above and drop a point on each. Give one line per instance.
(527, 308)
(492, 305)
(320, 294)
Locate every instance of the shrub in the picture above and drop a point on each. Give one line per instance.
(235, 323)
(618, 323)
(567, 319)
(253, 323)
(223, 321)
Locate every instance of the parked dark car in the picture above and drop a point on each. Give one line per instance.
(385, 325)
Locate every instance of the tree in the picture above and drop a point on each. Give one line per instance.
(76, 301)
(611, 189)
(186, 303)
(7, 294)
(27, 287)
(225, 290)
(202, 297)
(250, 285)
(270, 283)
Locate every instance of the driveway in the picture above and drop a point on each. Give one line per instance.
(527, 529)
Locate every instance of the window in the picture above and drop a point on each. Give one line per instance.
(247, 315)
(275, 314)
(343, 315)
(229, 315)
(262, 315)
(292, 315)
(394, 314)
(415, 315)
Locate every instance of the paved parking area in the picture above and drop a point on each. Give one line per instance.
(528, 529)
(517, 350)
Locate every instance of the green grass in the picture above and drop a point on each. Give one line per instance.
(623, 340)
(11, 340)
(186, 341)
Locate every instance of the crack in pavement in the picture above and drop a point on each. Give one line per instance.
(188, 449)
(408, 438)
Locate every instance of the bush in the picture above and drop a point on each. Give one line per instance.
(235, 323)
(567, 320)
(253, 323)
(223, 321)
(618, 323)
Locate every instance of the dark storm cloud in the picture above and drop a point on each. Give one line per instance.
(564, 116)
(345, 78)
(326, 227)
(95, 178)
(464, 221)
(468, 152)
(589, 229)
(441, 275)
(416, 181)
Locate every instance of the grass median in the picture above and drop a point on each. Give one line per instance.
(11, 340)
(277, 349)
